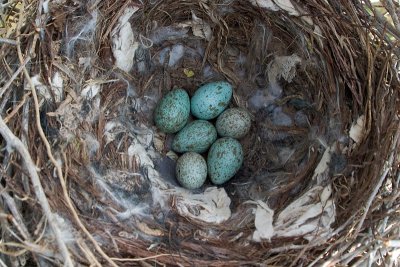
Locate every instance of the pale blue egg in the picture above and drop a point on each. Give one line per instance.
(210, 100)
(196, 136)
(172, 112)
(233, 122)
(191, 170)
(224, 159)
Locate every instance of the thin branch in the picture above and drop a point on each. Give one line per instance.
(15, 142)
(146, 258)
(390, 7)
(25, 139)
(27, 246)
(2, 264)
(17, 108)
(58, 167)
(385, 172)
(19, 70)
(16, 218)
(60, 174)
(8, 41)
(61, 244)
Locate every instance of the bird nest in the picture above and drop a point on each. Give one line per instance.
(87, 179)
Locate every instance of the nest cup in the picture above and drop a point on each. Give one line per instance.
(319, 78)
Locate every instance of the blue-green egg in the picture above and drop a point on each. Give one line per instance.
(196, 136)
(224, 159)
(191, 170)
(210, 100)
(233, 122)
(172, 112)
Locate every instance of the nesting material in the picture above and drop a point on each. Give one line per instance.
(125, 41)
(211, 206)
(89, 179)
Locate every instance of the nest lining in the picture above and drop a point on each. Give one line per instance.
(102, 130)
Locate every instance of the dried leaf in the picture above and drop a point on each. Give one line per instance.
(287, 6)
(90, 91)
(143, 227)
(159, 141)
(201, 28)
(263, 222)
(189, 73)
(314, 207)
(124, 43)
(136, 149)
(172, 155)
(268, 4)
(324, 162)
(277, 5)
(311, 214)
(283, 67)
(211, 206)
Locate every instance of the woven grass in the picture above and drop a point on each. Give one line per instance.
(60, 206)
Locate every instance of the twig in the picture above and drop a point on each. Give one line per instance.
(16, 109)
(286, 248)
(388, 166)
(331, 235)
(356, 253)
(390, 7)
(8, 41)
(19, 70)
(60, 174)
(16, 218)
(15, 142)
(392, 243)
(56, 164)
(59, 170)
(28, 246)
(24, 139)
(146, 258)
(87, 251)
(2, 263)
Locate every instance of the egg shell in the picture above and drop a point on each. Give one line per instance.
(196, 136)
(210, 100)
(191, 170)
(233, 122)
(172, 112)
(224, 159)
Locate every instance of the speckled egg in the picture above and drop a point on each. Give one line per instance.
(224, 159)
(210, 100)
(196, 136)
(191, 170)
(233, 122)
(172, 112)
